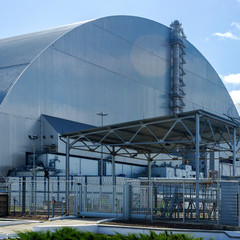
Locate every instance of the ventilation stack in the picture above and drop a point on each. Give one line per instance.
(177, 62)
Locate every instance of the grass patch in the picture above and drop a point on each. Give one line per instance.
(67, 233)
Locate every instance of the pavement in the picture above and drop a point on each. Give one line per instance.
(9, 228)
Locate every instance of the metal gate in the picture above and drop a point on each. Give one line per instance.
(99, 200)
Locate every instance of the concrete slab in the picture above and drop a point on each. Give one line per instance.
(206, 234)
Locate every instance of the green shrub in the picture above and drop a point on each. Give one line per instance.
(67, 233)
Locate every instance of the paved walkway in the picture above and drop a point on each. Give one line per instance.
(9, 227)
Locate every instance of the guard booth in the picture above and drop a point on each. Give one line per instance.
(230, 203)
(3, 199)
(3, 204)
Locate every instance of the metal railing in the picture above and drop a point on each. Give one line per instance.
(25, 199)
(158, 200)
(177, 201)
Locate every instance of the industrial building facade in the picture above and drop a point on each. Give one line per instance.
(56, 81)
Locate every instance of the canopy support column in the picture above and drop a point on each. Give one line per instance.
(234, 152)
(67, 173)
(113, 167)
(197, 144)
(149, 170)
(114, 200)
(150, 187)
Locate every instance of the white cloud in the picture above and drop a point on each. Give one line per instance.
(231, 78)
(235, 24)
(232, 81)
(221, 76)
(226, 35)
(235, 94)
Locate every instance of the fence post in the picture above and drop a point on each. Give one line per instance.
(32, 195)
(85, 195)
(76, 199)
(126, 201)
(151, 201)
(23, 195)
(218, 201)
(183, 202)
(20, 191)
(63, 202)
(80, 200)
(29, 194)
(100, 195)
(52, 195)
(238, 205)
(9, 197)
(35, 196)
(48, 199)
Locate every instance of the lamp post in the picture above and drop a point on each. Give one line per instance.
(101, 114)
(33, 138)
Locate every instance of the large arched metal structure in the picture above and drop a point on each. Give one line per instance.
(144, 68)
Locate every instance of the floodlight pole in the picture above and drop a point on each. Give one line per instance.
(101, 114)
(33, 138)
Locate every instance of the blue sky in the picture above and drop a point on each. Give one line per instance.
(213, 26)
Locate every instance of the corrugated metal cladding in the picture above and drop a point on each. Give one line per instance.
(119, 65)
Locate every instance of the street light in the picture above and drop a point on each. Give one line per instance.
(33, 138)
(101, 114)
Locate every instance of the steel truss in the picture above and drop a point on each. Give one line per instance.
(190, 132)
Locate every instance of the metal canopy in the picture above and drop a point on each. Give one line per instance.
(168, 134)
(193, 132)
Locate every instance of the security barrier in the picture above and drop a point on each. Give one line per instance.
(216, 202)
(35, 198)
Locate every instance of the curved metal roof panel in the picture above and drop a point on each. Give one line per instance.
(18, 52)
(123, 61)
